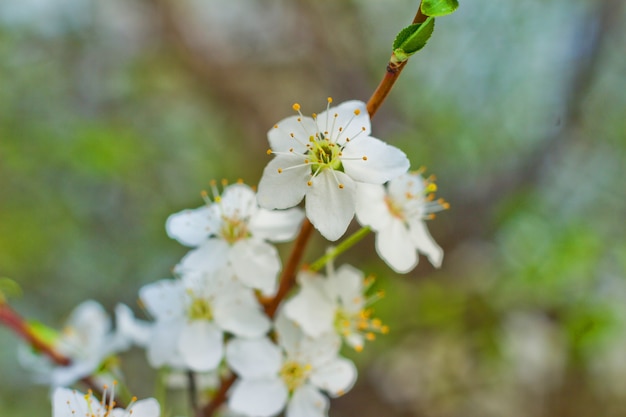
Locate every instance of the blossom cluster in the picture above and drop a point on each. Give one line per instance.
(214, 317)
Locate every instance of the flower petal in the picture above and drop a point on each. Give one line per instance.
(143, 408)
(384, 162)
(424, 242)
(254, 358)
(276, 225)
(395, 247)
(238, 201)
(280, 136)
(162, 348)
(70, 403)
(307, 401)
(311, 308)
(329, 207)
(192, 227)
(346, 286)
(351, 124)
(336, 377)
(201, 345)
(371, 207)
(287, 188)
(241, 318)
(259, 397)
(164, 299)
(209, 256)
(256, 264)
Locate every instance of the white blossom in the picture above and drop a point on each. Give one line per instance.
(323, 158)
(192, 314)
(233, 230)
(72, 403)
(336, 303)
(291, 374)
(397, 213)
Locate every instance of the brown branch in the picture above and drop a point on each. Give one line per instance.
(11, 319)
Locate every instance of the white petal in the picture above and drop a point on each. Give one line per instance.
(328, 207)
(346, 285)
(276, 225)
(336, 377)
(350, 124)
(90, 322)
(210, 256)
(259, 397)
(280, 135)
(192, 227)
(162, 348)
(164, 299)
(238, 200)
(371, 207)
(410, 183)
(395, 247)
(423, 241)
(130, 329)
(254, 358)
(143, 408)
(241, 318)
(288, 333)
(201, 345)
(307, 401)
(286, 189)
(384, 162)
(312, 310)
(71, 403)
(256, 264)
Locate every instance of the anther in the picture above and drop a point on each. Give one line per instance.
(329, 99)
(341, 186)
(296, 107)
(357, 112)
(280, 170)
(269, 151)
(275, 126)
(309, 183)
(364, 158)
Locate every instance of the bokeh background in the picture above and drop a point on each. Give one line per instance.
(116, 113)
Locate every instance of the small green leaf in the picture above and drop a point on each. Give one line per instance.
(412, 38)
(439, 7)
(46, 334)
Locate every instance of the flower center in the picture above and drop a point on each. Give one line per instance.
(200, 309)
(395, 209)
(294, 374)
(234, 229)
(324, 154)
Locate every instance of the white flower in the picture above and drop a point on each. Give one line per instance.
(233, 230)
(291, 374)
(323, 158)
(71, 403)
(335, 304)
(192, 315)
(86, 339)
(397, 213)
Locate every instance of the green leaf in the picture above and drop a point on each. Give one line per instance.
(412, 38)
(439, 7)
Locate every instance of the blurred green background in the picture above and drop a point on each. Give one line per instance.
(116, 113)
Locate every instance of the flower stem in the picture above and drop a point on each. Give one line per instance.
(339, 249)
(391, 75)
